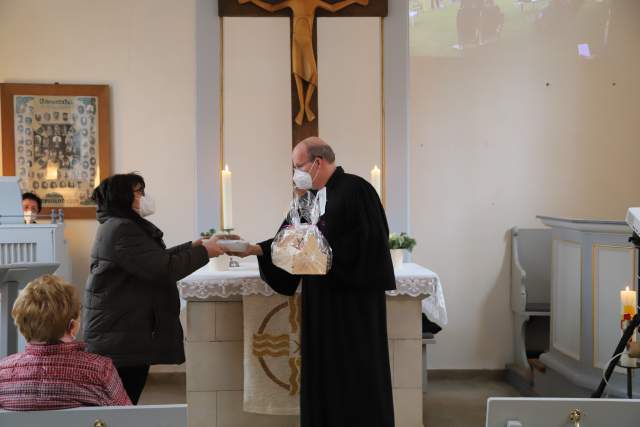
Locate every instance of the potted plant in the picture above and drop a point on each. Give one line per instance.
(398, 244)
(206, 235)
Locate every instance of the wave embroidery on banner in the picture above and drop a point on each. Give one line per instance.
(268, 345)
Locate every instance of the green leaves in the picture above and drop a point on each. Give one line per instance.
(208, 234)
(401, 241)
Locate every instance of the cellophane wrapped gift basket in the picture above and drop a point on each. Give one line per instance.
(300, 247)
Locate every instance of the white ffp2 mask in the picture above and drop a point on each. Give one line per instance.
(147, 206)
(29, 217)
(302, 179)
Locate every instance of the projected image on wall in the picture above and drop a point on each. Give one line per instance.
(454, 28)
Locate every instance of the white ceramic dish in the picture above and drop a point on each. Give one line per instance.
(234, 245)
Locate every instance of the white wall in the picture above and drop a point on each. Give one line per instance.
(257, 122)
(491, 147)
(145, 50)
(349, 97)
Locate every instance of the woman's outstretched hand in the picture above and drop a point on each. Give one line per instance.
(212, 247)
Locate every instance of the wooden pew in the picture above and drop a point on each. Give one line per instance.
(100, 416)
(547, 412)
(530, 287)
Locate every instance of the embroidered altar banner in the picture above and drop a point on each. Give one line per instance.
(272, 354)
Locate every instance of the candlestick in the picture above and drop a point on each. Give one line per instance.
(227, 205)
(375, 179)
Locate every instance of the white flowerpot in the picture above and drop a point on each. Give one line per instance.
(397, 257)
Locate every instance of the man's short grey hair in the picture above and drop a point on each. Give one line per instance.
(316, 147)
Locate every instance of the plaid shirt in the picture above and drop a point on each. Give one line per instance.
(59, 376)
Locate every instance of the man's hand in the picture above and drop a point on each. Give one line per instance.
(251, 250)
(213, 250)
(196, 243)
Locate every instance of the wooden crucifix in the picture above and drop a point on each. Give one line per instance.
(304, 70)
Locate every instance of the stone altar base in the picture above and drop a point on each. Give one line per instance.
(214, 347)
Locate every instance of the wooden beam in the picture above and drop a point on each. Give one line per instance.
(233, 8)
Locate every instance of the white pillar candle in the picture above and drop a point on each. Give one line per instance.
(628, 304)
(375, 179)
(227, 205)
(628, 309)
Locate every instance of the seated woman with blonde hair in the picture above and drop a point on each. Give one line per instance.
(54, 371)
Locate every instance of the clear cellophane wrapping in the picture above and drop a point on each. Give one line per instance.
(300, 247)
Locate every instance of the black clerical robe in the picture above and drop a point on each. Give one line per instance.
(345, 378)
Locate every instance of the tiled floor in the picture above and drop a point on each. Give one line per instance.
(448, 403)
(461, 402)
(165, 388)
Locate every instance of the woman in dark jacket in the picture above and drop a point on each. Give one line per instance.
(131, 305)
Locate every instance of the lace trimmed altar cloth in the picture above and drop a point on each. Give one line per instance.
(411, 280)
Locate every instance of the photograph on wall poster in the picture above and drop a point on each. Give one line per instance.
(58, 145)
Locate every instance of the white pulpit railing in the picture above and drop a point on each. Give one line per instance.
(25, 247)
(14, 253)
(29, 243)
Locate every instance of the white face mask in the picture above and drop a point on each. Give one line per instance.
(29, 217)
(302, 179)
(147, 206)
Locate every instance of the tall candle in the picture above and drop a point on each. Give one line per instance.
(628, 304)
(227, 205)
(375, 179)
(628, 309)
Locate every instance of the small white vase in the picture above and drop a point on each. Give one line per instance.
(397, 257)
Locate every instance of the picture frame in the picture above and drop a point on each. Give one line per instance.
(56, 139)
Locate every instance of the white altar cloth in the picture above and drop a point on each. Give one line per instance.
(411, 280)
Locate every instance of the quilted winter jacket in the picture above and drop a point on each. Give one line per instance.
(131, 304)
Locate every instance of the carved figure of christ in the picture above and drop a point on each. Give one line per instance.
(303, 61)
(304, 70)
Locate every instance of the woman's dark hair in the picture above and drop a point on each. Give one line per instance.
(115, 194)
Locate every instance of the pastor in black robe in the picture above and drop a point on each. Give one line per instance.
(345, 377)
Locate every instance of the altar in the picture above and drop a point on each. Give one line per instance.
(216, 344)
